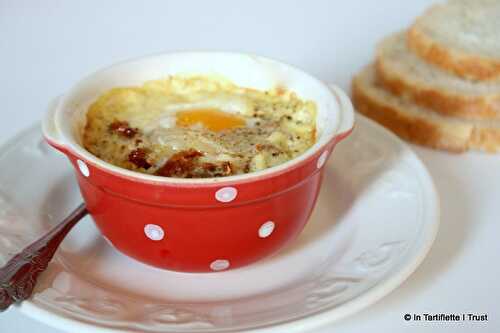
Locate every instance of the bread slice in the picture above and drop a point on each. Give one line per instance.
(461, 36)
(419, 125)
(405, 74)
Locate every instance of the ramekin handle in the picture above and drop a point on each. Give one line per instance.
(347, 119)
(49, 128)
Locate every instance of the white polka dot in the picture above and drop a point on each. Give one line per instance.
(266, 229)
(84, 169)
(322, 159)
(154, 232)
(226, 194)
(219, 265)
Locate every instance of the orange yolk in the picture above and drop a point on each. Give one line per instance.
(212, 119)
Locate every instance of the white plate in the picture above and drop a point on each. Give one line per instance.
(376, 218)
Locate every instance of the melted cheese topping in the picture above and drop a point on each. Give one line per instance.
(198, 127)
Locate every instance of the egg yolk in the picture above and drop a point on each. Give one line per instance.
(212, 119)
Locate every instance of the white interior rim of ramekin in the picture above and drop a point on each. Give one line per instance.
(335, 114)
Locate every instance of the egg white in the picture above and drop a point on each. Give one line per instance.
(167, 116)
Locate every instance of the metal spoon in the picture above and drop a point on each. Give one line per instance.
(19, 276)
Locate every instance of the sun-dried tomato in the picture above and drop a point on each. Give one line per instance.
(209, 167)
(227, 168)
(122, 128)
(181, 164)
(138, 157)
(186, 164)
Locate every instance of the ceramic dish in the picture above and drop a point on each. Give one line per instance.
(200, 225)
(375, 220)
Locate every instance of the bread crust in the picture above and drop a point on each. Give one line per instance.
(438, 100)
(423, 130)
(464, 65)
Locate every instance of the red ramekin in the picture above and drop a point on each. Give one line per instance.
(200, 225)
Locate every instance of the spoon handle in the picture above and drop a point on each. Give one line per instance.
(18, 277)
